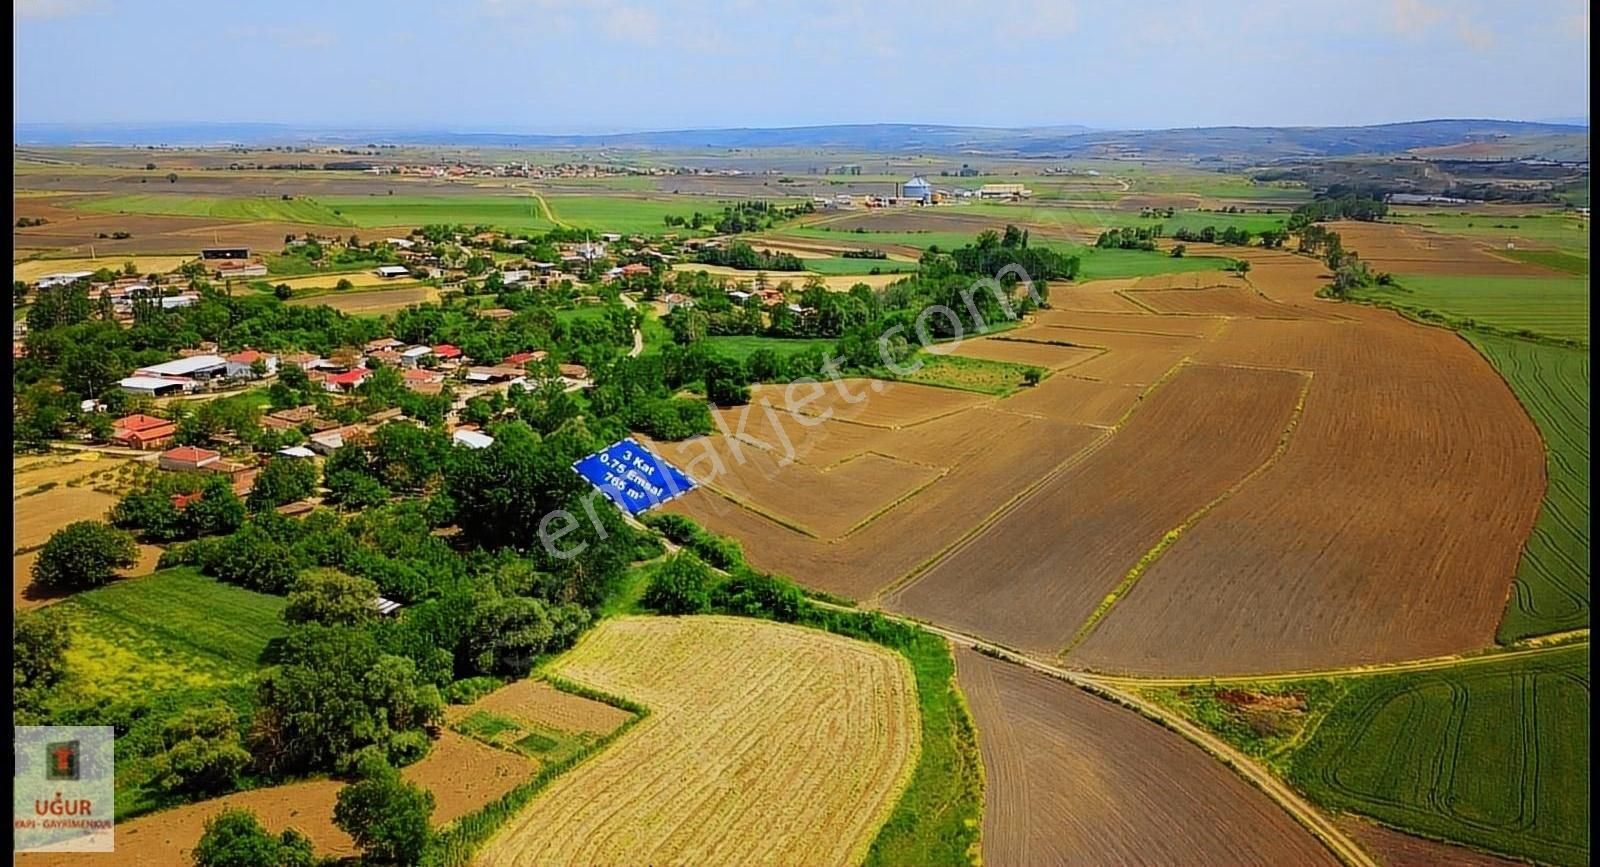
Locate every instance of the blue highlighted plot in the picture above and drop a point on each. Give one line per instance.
(632, 476)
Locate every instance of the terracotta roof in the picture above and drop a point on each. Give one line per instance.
(352, 377)
(139, 422)
(577, 371)
(447, 350)
(249, 356)
(522, 358)
(190, 454)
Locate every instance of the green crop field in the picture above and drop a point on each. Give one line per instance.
(1567, 232)
(511, 213)
(1106, 218)
(842, 265)
(1100, 264)
(1492, 754)
(740, 346)
(146, 649)
(629, 215)
(1555, 260)
(252, 208)
(967, 374)
(1551, 592)
(1556, 307)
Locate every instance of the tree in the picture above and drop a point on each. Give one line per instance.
(38, 655)
(218, 509)
(1241, 267)
(283, 292)
(83, 554)
(235, 838)
(386, 816)
(331, 598)
(204, 753)
(1032, 376)
(172, 177)
(335, 693)
(725, 382)
(344, 284)
(509, 633)
(282, 480)
(1178, 250)
(682, 585)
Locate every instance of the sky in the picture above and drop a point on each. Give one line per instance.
(588, 66)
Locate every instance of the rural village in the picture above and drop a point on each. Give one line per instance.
(851, 494)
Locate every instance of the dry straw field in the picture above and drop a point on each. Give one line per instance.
(765, 744)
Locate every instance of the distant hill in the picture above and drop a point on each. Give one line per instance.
(1227, 144)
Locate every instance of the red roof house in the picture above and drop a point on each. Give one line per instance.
(142, 431)
(187, 458)
(447, 351)
(346, 381)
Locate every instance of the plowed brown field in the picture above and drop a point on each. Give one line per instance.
(1051, 355)
(1395, 849)
(1030, 579)
(1072, 779)
(766, 744)
(1415, 250)
(1389, 529)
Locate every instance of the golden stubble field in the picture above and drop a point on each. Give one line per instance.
(766, 744)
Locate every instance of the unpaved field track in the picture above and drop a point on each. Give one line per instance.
(765, 743)
(1072, 779)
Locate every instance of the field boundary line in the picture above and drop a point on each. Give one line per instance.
(1172, 536)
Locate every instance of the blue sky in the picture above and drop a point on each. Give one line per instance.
(609, 65)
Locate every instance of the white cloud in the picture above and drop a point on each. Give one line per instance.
(1037, 19)
(50, 8)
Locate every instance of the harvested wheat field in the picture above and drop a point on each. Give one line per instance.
(1073, 779)
(462, 774)
(1389, 528)
(765, 743)
(36, 516)
(1033, 577)
(36, 268)
(371, 302)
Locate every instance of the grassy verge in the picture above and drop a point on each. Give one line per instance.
(146, 650)
(982, 375)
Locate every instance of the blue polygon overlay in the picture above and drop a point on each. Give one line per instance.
(633, 477)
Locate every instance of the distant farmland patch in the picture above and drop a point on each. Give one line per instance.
(251, 209)
(512, 213)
